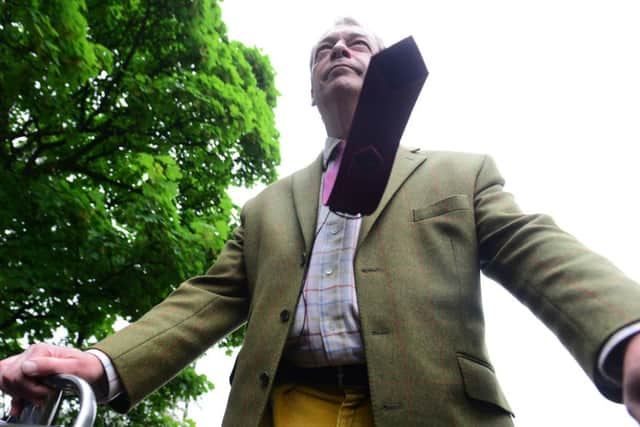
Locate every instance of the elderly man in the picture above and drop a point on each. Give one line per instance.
(368, 320)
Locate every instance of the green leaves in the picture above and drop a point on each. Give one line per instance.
(122, 124)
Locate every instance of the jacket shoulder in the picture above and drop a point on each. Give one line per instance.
(456, 156)
(450, 159)
(273, 191)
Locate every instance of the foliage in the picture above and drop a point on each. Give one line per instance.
(122, 124)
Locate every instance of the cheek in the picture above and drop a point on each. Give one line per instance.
(365, 58)
(314, 84)
(316, 73)
(365, 62)
(314, 80)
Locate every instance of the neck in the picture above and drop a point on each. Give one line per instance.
(338, 115)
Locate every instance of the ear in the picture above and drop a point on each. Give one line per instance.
(313, 98)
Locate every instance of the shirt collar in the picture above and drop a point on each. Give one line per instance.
(329, 144)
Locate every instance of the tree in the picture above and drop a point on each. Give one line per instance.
(122, 124)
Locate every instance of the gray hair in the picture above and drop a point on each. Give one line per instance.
(347, 20)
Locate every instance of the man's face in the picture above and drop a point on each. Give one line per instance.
(339, 62)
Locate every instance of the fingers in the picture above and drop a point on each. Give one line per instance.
(17, 405)
(15, 383)
(631, 378)
(20, 375)
(632, 399)
(22, 388)
(46, 366)
(43, 362)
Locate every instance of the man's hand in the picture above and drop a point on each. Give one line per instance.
(631, 377)
(20, 374)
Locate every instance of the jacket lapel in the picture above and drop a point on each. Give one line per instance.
(306, 193)
(405, 163)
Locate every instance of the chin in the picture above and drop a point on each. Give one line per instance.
(342, 87)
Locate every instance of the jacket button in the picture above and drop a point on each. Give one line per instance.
(284, 315)
(264, 379)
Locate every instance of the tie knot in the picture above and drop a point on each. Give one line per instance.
(337, 150)
(332, 152)
(333, 165)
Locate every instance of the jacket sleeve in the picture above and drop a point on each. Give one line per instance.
(202, 310)
(579, 295)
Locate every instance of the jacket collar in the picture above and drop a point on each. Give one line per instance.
(306, 192)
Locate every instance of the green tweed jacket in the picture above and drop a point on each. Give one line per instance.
(443, 219)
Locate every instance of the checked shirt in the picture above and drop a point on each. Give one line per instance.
(326, 327)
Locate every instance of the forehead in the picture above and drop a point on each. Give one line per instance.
(346, 32)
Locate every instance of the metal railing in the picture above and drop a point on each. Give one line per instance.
(45, 415)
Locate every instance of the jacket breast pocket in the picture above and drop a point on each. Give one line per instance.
(480, 382)
(453, 203)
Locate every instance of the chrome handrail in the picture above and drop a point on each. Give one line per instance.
(45, 415)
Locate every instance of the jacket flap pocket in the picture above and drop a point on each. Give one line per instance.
(454, 203)
(480, 382)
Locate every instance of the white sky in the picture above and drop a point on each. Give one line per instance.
(551, 89)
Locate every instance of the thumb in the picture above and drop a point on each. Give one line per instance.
(85, 366)
(29, 368)
(44, 366)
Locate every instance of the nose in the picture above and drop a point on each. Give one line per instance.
(340, 50)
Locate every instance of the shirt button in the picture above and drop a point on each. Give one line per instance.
(284, 315)
(264, 379)
(328, 272)
(335, 230)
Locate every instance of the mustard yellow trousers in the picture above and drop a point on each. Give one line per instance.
(296, 405)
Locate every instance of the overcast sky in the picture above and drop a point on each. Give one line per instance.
(551, 89)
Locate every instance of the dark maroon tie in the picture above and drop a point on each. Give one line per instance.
(331, 173)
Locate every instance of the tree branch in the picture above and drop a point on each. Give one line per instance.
(101, 178)
(117, 79)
